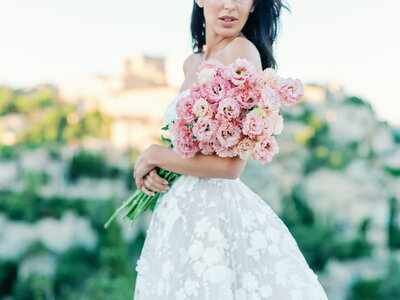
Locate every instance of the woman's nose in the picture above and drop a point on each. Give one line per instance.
(229, 4)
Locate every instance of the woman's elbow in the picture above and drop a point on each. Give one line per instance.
(235, 167)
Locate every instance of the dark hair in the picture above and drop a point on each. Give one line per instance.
(261, 28)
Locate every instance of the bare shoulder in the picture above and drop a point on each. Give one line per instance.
(241, 47)
(189, 61)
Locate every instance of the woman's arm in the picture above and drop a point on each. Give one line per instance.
(210, 165)
(200, 165)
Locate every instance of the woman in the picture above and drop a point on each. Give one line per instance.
(210, 236)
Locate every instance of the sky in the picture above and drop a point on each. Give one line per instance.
(353, 42)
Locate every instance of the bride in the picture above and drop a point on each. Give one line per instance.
(211, 236)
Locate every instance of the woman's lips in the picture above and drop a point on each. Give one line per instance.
(227, 23)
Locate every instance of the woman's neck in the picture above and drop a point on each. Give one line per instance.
(217, 49)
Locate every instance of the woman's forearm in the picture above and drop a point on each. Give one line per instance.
(200, 165)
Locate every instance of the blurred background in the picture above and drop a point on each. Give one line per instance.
(83, 88)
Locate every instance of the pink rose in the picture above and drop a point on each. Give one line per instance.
(253, 124)
(228, 134)
(184, 109)
(223, 151)
(244, 148)
(205, 129)
(241, 72)
(265, 149)
(228, 108)
(186, 147)
(291, 91)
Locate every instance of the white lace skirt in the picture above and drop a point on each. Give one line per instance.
(216, 239)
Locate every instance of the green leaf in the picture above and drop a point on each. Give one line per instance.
(168, 140)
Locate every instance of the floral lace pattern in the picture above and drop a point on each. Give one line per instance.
(215, 239)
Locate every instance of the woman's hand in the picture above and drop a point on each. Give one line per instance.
(143, 165)
(154, 182)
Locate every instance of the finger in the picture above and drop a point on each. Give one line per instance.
(156, 185)
(146, 191)
(158, 179)
(150, 184)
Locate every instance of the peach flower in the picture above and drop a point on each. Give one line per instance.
(202, 108)
(253, 124)
(244, 148)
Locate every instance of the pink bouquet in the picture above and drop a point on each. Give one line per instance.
(230, 111)
(233, 111)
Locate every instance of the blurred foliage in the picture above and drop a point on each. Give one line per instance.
(61, 124)
(74, 266)
(353, 100)
(8, 152)
(85, 163)
(386, 287)
(103, 286)
(15, 101)
(35, 287)
(393, 224)
(392, 171)
(317, 241)
(28, 206)
(325, 153)
(50, 121)
(8, 275)
(107, 272)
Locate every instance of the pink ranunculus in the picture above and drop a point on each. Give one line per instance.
(268, 78)
(205, 129)
(223, 151)
(241, 72)
(202, 108)
(228, 134)
(265, 149)
(270, 98)
(291, 91)
(186, 146)
(253, 124)
(248, 98)
(184, 109)
(206, 148)
(215, 90)
(228, 108)
(244, 148)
